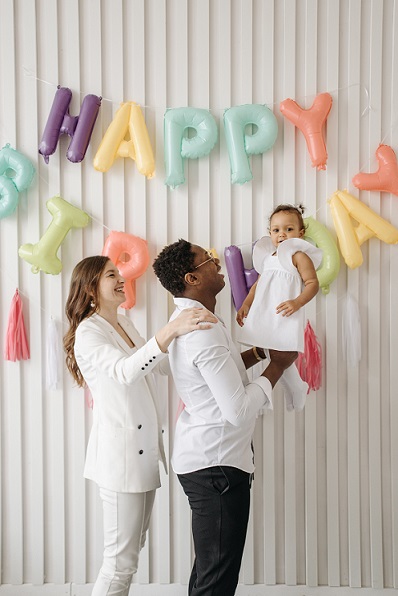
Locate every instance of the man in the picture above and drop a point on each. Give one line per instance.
(212, 453)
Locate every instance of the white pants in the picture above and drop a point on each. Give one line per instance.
(126, 520)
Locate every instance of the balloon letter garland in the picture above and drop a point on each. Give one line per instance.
(343, 206)
(177, 147)
(311, 122)
(386, 177)
(130, 255)
(79, 128)
(10, 187)
(128, 119)
(241, 145)
(43, 255)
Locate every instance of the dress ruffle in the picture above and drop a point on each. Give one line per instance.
(286, 250)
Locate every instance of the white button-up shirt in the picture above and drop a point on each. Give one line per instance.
(221, 406)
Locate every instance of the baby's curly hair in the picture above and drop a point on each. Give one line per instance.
(171, 265)
(297, 209)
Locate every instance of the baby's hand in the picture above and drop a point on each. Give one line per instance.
(288, 308)
(242, 314)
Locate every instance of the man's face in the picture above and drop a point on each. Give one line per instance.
(207, 269)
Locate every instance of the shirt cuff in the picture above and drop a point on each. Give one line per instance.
(266, 386)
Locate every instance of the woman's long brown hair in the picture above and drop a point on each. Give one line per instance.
(82, 302)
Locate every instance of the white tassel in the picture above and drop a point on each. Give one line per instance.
(351, 332)
(53, 375)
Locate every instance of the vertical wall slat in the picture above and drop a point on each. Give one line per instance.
(374, 321)
(353, 455)
(310, 196)
(33, 406)
(391, 139)
(290, 8)
(331, 81)
(12, 432)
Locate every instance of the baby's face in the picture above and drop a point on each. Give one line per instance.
(284, 225)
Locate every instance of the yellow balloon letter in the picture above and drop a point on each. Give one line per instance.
(128, 120)
(343, 207)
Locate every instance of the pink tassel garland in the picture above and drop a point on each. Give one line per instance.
(309, 363)
(16, 344)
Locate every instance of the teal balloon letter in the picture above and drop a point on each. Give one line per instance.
(177, 146)
(241, 145)
(22, 172)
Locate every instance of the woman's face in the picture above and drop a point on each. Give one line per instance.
(110, 287)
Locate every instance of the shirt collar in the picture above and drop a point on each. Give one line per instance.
(182, 303)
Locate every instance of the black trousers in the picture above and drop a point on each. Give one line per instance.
(219, 498)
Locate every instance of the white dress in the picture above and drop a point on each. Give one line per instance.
(279, 281)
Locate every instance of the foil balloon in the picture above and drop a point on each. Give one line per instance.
(128, 120)
(386, 177)
(320, 236)
(43, 255)
(130, 255)
(179, 147)
(343, 207)
(241, 145)
(311, 123)
(240, 278)
(16, 175)
(79, 128)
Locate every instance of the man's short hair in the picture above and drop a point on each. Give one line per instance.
(171, 265)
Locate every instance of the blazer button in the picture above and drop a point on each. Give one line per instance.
(141, 452)
(150, 360)
(154, 357)
(139, 426)
(142, 368)
(146, 364)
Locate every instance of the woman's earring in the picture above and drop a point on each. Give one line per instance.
(92, 304)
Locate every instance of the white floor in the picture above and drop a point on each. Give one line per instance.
(180, 590)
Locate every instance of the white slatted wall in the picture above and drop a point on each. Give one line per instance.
(325, 497)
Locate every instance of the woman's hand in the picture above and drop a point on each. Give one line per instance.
(190, 319)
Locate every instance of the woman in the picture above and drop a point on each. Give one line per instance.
(105, 352)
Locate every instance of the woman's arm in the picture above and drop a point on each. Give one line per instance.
(95, 350)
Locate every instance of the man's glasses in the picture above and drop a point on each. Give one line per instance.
(211, 258)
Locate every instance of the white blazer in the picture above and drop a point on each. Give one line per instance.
(126, 442)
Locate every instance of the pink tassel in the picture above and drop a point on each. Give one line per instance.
(309, 363)
(16, 344)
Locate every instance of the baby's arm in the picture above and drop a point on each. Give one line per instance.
(306, 268)
(248, 301)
